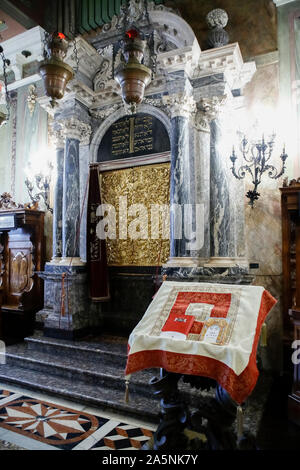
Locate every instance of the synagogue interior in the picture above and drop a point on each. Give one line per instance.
(150, 225)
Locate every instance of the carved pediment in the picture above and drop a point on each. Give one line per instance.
(7, 203)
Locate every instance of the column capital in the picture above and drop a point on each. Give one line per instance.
(208, 110)
(73, 128)
(57, 138)
(180, 104)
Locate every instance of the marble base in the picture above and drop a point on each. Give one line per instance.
(184, 262)
(76, 319)
(221, 275)
(223, 262)
(67, 262)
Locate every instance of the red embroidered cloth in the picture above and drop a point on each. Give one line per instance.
(222, 343)
(96, 248)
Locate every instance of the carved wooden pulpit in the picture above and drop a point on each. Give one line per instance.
(21, 255)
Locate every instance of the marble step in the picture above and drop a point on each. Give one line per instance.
(103, 397)
(103, 350)
(94, 371)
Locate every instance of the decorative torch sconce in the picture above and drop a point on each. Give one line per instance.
(4, 117)
(257, 156)
(54, 71)
(38, 187)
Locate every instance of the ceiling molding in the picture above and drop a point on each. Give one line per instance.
(280, 3)
(17, 14)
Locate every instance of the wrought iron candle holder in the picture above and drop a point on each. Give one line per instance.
(39, 189)
(257, 157)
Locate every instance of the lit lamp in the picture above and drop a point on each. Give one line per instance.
(55, 72)
(4, 117)
(257, 157)
(133, 76)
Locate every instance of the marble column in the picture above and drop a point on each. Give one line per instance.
(67, 311)
(71, 202)
(58, 191)
(84, 157)
(206, 109)
(75, 133)
(226, 222)
(182, 190)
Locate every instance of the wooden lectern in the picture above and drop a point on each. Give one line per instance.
(21, 254)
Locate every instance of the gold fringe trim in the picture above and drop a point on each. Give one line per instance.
(126, 398)
(264, 335)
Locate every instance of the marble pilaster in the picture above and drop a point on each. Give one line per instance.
(226, 220)
(71, 200)
(76, 132)
(206, 111)
(58, 192)
(182, 171)
(84, 155)
(219, 196)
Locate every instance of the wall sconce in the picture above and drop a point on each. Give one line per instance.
(257, 155)
(4, 117)
(38, 187)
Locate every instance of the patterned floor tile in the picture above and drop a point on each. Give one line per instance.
(124, 437)
(65, 428)
(47, 422)
(5, 394)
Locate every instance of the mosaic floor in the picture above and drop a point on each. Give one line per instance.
(34, 423)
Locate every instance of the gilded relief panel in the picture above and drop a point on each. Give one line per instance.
(140, 198)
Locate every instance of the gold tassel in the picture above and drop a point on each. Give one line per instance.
(239, 422)
(263, 337)
(126, 391)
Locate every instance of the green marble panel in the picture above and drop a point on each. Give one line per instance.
(98, 13)
(105, 15)
(84, 16)
(92, 22)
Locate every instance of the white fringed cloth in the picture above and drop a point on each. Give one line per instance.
(222, 343)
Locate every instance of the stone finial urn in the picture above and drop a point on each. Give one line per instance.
(55, 72)
(217, 20)
(133, 76)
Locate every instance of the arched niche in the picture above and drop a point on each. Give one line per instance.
(160, 118)
(175, 29)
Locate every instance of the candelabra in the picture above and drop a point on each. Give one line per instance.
(257, 156)
(40, 189)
